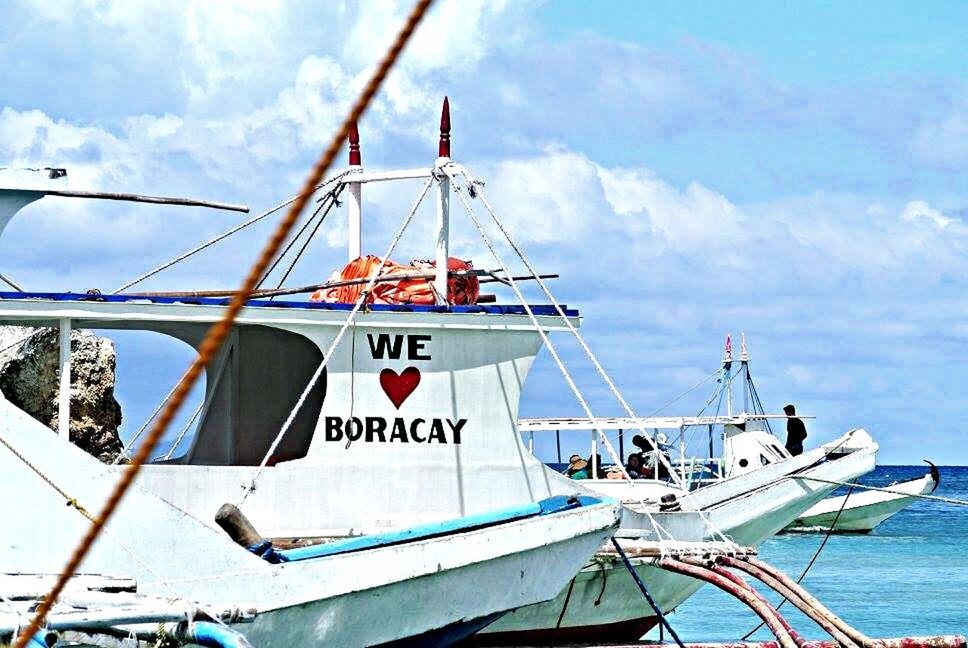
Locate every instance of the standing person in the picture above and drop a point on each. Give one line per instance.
(796, 431)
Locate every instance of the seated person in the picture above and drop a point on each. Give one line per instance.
(577, 468)
(635, 466)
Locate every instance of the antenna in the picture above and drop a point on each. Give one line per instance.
(354, 137)
(442, 243)
(443, 149)
(727, 364)
(744, 359)
(354, 220)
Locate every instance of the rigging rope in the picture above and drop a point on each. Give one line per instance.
(534, 320)
(645, 593)
(588, 352)
(224, 235)
(325, 204)
(219, 331)
(360, 301)
(479, 193)
(806, 569)
(946, 500)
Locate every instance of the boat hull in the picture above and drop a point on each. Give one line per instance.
(439, 588)
(610, 607)
(861, 512)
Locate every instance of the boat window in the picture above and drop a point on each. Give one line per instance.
(249, 391)
(743, 463)
(764, 460)
(264, 372)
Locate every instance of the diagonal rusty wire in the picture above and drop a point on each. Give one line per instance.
(218, 332)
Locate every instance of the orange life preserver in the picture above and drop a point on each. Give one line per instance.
(461, 289)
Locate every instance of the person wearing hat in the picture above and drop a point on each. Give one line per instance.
(577, 468)
(796, 431)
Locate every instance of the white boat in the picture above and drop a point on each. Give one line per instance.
(749, 493)
(860, 511)
(464, 573)
(324, 420)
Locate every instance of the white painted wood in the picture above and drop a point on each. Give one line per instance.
(354, 205)
(861, 511)
(64, 377)
(326, 601)
(651, 422)
(133, 315)
(442, 238)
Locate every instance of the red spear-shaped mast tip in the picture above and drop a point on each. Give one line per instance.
(354, 136)
(444, 148)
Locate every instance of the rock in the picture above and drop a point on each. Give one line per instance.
(29, 380)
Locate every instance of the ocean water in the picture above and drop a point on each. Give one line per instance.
(908, 577)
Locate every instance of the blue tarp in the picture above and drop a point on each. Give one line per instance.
(547, 506)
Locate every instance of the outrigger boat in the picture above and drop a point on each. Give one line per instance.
(464, 572)
(861, 512)
(333, 420)
(745, 494)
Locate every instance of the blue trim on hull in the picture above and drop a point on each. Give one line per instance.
(548, 506)
(538, 309)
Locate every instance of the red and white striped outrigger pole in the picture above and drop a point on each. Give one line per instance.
(711, 563)
(714, 568)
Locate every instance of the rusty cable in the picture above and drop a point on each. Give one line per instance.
(219, 331)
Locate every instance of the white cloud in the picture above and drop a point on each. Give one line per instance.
(919, 209)
(695, 216)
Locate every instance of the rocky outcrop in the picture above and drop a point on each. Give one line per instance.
(29, 361)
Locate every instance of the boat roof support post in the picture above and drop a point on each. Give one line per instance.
(355, 202)
(64, 390)
(442, 228)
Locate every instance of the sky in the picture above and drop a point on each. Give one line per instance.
(797, 172)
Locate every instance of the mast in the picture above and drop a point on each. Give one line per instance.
(354, 225)
(744, 360)
(727, 365)
(442, 229)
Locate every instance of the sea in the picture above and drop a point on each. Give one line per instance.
(909, 577)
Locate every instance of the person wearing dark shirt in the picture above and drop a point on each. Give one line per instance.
(796, 431)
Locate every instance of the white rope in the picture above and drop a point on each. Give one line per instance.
(581, 340)
(184, 431)
(134, 439)
(561, 312)
(699, 383)
(541, 332)
(936, 498)
(364, 295)
(219, 237)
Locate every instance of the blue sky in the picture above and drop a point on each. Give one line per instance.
(799, 172)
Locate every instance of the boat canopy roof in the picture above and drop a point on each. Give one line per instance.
(650, 422)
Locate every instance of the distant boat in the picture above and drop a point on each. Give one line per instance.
(861, 512)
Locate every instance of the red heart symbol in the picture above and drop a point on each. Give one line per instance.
(398, 387)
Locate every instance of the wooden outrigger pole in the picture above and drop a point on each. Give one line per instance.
(156, 200)
(487, 277)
